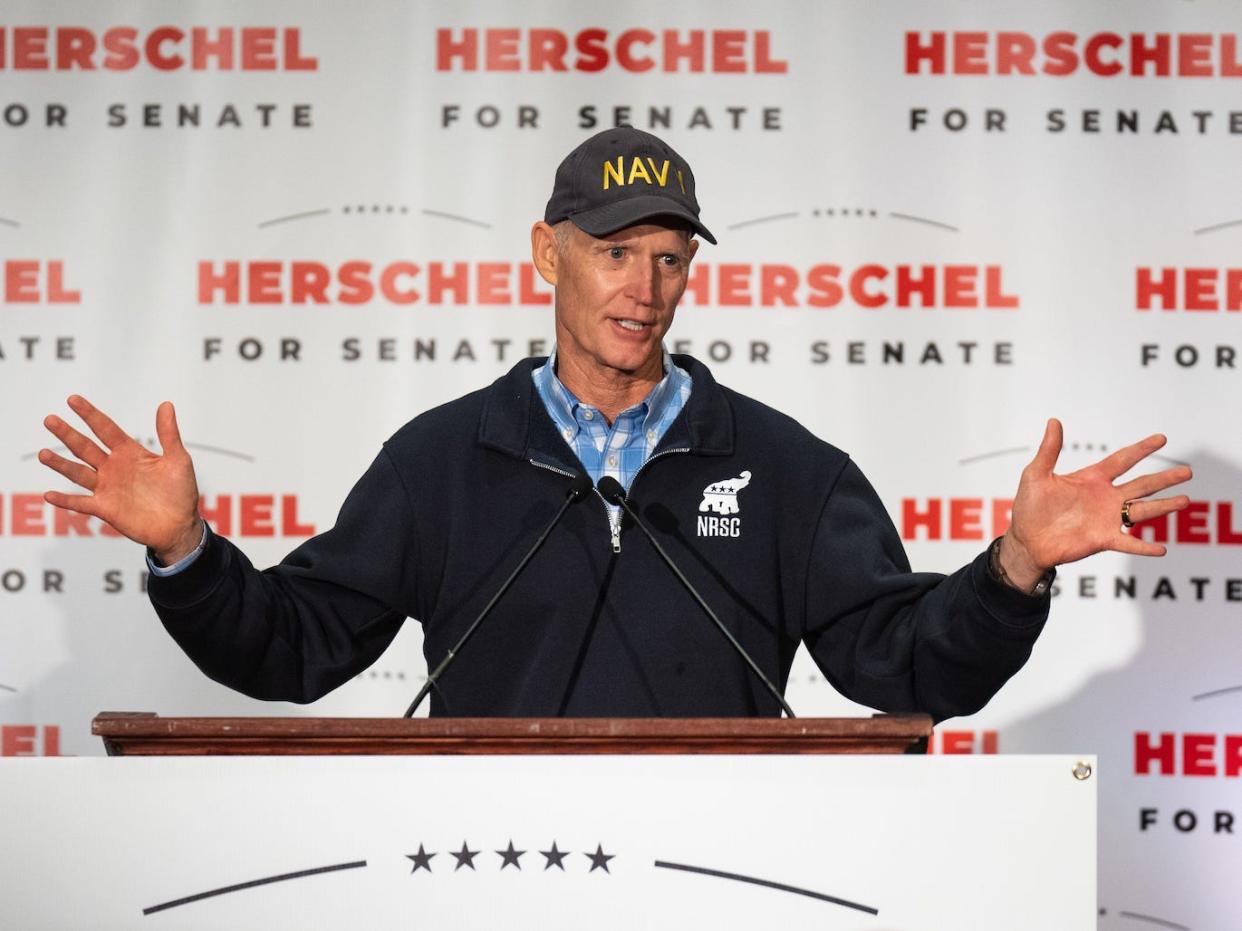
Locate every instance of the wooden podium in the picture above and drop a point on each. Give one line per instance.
(141, 734)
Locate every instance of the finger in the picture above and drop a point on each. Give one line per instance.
(79, 444)
(1049, 448)
(1124, 543)
(83, 504)
(1146, 485)
(74, 471)
(1156, 507)
(1124, 459)
(167, 430)
(100, 423)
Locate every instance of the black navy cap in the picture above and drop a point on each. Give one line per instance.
(621, 177)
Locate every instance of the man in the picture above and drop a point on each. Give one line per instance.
(780, 531)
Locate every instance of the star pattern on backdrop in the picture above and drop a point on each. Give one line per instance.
(510, 856)
(465, 857)
(422, 860)
(554, 857)
(599, 859)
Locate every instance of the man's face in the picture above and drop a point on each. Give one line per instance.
(616, 295)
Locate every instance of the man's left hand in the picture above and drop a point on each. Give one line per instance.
(1063, 518)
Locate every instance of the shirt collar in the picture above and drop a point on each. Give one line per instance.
(562, 405)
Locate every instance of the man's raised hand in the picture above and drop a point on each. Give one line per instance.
(1062, 518)
(151, 499)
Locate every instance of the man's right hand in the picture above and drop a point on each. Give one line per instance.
(151, 499)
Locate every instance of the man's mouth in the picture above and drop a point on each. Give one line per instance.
(632, 325)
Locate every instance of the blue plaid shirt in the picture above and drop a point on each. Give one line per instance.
(619, 450)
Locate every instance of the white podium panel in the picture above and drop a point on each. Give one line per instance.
(835, 843)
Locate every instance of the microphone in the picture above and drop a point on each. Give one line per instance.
(577, 489)
(613, 493)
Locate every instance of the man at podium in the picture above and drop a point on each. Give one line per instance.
(776, 530)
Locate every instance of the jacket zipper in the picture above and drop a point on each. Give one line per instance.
(614, 517)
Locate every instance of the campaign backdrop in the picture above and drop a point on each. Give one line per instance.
(940, 224)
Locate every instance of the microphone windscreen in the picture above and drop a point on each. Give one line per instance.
(611, 489)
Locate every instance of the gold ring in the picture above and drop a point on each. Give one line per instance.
(1125, 515)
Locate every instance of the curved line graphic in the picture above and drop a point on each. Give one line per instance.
(1155, 921)
(225, 890)
(5, 221)
(221, 451)
(768, 884)
(7, 688)
(295, 216)
(913, 219)
(775, 216)
(1217, 226)
(452, 216)
(1215, 692)
(993, 455)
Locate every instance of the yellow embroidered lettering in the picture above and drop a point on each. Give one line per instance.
(637, 169)
(681, 181)
(660, 176)
(616, 172)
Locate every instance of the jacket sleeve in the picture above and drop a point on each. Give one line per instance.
(897, 640)
(300, 629)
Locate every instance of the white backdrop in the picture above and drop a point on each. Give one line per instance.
(824, 146)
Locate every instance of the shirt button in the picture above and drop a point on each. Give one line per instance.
(651, 436)
(588, 415)
(569, 434)
(612, 460)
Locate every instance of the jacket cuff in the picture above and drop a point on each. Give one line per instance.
(1012, 609)
(194, 583)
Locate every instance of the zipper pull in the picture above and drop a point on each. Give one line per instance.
(616, 536)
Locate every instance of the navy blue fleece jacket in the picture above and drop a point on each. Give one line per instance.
(799, 550)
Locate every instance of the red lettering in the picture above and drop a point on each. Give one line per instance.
(690, 51)
(626, 58)
(1200, 287)
(1060, 54)
(965, 519)
(438, 282)
(592, 50)
(932, 52)
(1091, 54)
(502, 50)
(924, 285)
(734, 285)
(448, 50)
(21, 282)
(27, 516)
(1146, 287)
(289, 524)
(858, 291)
(970, 53)
(355, 279)
(959, 286)
(529, 294)
(258, 49)
(17, 740)
(1225, 532)
(1014, 53)
(308, 281)
(56, 292)
(1194, 55)
(1142, 54)
(912, 518)
(993, 289)
(155, 52)
(957, 742)
(1192, 523)
(547, 50)
(1197, 754)
(203, 47)
(256, 516)
(30, 48)
(227, 281)
(264, 283)
(74, 47)
(826, 291)
(729, 51)
(1146, 753)
(294, 60)
(1233, 754)
(764, 62)
(121, 44)
(388, 283)
(220, 516)
(777, 284)
(493, 283)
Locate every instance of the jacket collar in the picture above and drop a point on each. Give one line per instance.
(514, 420)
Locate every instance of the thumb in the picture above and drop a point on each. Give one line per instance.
(1049, 448)
(166, 429)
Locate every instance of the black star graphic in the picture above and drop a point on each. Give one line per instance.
(511, 856)
(464, 858)
(422, 860)
(554, 857)
(599, 859)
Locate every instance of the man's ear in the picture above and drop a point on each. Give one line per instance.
(544, 252)
(694, 247)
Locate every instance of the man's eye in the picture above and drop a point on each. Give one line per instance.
(672, 261)
(616, 252)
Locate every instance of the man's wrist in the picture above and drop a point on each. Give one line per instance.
(1010, 564)
(187, 542)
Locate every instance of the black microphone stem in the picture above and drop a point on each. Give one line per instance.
(618, 497)
(581, 484)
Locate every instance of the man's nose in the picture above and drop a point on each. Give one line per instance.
(642, 283)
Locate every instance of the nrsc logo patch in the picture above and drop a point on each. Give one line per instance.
(720, 498)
